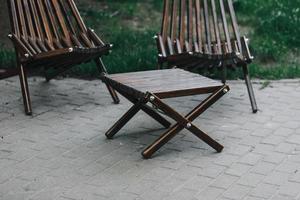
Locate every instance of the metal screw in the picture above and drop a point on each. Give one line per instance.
(225, 90)
(191, 53)
(152, 98)
(188, 125)
(159, 55)
(155, 37)
(71, 49)
(10, 35)
(92, 30)
(111, 45)
(26, 55)
(237, 53)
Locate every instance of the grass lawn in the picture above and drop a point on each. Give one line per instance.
(131, 24)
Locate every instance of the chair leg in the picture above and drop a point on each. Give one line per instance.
(102, 69)
(148, 110)
(185, 122)
(25, 90)
(224, 74)
(206, 138)
(250, 88)
(152, 113)
(123, 121)
(161, 141)
(113, 94)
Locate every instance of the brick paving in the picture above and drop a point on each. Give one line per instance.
(61, 152)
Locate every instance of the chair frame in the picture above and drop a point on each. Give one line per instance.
(141, 99)
(194, 35)
(6, 73)
(44, 35)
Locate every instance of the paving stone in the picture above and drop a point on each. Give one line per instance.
(251, 179)
(210, 193)
(224, 181)
(291, 189)
(237, 192)
(264, 190)
(61, 153)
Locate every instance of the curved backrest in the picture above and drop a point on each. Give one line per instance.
(205, 26)
(44, 25)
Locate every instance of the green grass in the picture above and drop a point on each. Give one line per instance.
(272, 25)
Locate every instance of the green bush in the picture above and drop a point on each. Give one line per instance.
(276, 24)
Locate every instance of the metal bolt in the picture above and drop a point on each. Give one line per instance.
(155, 37)
(71, 49)
(225, 90)
(26, 55)
(152, 98)
(92, 30)
(10, 35)
(191, 53)
(188, 125)
(237, 53)
(159, 55)
(111, 45)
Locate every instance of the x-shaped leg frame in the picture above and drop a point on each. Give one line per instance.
(182, 122)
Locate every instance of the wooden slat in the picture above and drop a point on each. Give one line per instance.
(225, 27)
(235, 25)
(182, 23)
(190, 24)
(166, 21)
(62, 24)
(207, 26)
(174, 24)
(198, 25)
(216, 27)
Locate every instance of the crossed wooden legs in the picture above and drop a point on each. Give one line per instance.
(181, 121)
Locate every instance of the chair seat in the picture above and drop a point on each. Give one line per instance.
(67, 56)
(166, 83)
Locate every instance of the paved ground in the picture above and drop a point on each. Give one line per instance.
(61, 153)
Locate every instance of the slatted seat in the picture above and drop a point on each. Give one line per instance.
(152, 87)
(51, 34)
(203, 33)
(165, 83)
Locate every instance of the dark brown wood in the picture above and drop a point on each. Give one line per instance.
(151, 87)
(203, 34)
(51, 34)
(6, 73)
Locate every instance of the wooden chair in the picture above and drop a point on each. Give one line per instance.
(141, 88)
(203, 33)
(51, 34)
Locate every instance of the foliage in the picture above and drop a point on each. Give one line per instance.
(272, 25)
(276, 26)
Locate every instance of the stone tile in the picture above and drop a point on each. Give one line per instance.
(61, 152)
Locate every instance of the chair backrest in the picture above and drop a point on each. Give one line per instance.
(205, 26)
(45, 25)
